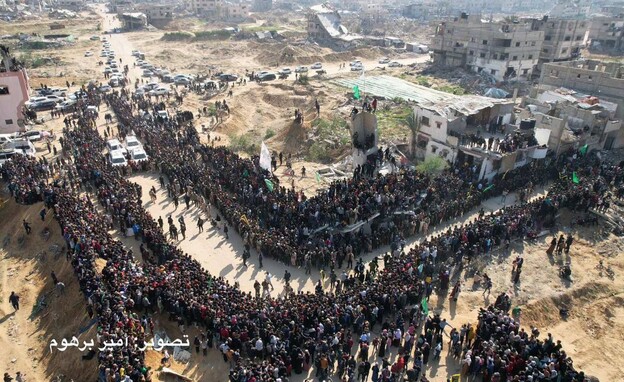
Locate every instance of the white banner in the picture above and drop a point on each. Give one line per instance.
(265, 157)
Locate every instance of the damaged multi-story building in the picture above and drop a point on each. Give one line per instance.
(502, 49)
(591, 85)
(606, 34)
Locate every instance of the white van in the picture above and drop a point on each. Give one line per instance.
(116, 158)
(138, 155)
(6, 154)
(132, 143)
(114, 145)
(23, 146)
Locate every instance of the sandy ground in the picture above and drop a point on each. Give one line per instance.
(592, 335)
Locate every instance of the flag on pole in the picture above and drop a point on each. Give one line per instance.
(269, 184)
(575, 178)
(356, 92)
(504, 175)
(318, 177)
(425, 306)
(583, 150)
(245, 173)
(265, 157)
(488, 188)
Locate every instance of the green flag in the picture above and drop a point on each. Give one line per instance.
(488, 188)
(245, 173)
(583, 150)
(425, 306)
(575, 178)
(356, 92)
(269, 184)
(318, 177)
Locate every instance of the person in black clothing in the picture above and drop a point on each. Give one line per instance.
(27, 227)
(14, 299)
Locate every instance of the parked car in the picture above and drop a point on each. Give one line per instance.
(68, 105)
(356, 68)
(267, 77)
(88, 53)
(138, 155)
(55, 98)
(117, 158)
(163, 114)
(159, 91)
(285, 71)
(43, 105)
(301, 69)
(355, 63)
(395, 64)
(6, 154)
(94, 38)
(182, 81)
(167, 78)
(113, 82)
(384, 60)
(151, 86)
(147, 73)
(228, 77)
(34, 100)
(32, 135)
(22, 145)
(132, 143)
(105, 88)
(115, 145)
(316, 65)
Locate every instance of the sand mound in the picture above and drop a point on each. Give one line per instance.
(26, 270)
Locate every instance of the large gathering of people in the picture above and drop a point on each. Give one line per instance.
(265, 338)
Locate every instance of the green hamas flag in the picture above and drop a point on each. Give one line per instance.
(245, 173)
(269, 184)
(425, 306)
(356, 92)
(575, 178)
(583, 150)
(488, 188)
(318, 177)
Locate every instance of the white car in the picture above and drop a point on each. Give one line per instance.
(163, 114)
(151, 86)
(114, 145)
(132, 143)
(316, 65)
(159, 91)
(139, 92)
(138, 155)
(94, 38)
(88, 53)
(32, 135)
(105, 88)
(147, 73)
(384, 60)
(286, 71)
(55, 98)
(357, 68)
(104, 54)
(117, 158)
(34, 100)
(355, 63)
(395, 64)
(301, 69)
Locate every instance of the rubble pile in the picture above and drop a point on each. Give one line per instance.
(478, 83)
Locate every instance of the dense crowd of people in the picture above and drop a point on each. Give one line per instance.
(268, 339)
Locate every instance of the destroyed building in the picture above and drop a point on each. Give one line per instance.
(13, 92)
(606, 34)
(324, 24)
(572, 120)
(502, 49)
(563, 38)
(604, 80)
(460, 129)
